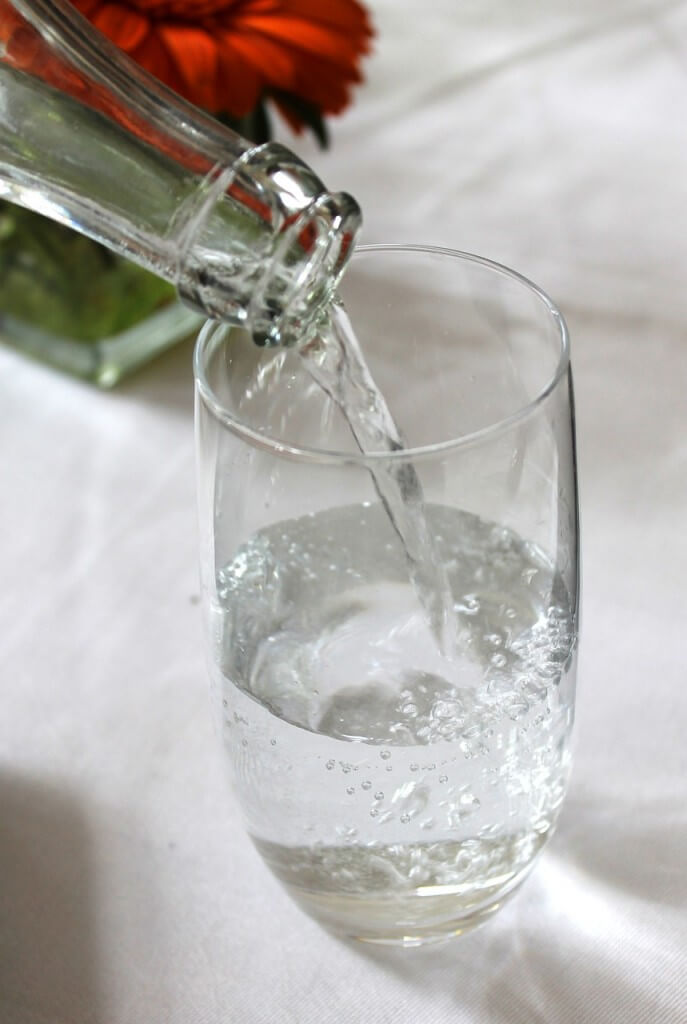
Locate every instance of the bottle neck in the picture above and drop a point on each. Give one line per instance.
(247, 234)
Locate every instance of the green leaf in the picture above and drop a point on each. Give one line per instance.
(306, 112)
(255, 126)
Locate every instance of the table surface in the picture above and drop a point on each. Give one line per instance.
(550, 137)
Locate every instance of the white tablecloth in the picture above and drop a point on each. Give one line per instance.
(551, 137)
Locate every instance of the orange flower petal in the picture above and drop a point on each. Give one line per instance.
(123, 25)
(154, 57)
(274, 61)
(239, 85)
(319, 83)
(346, 15)
(225, 55)
(304, 36)
(194, 52)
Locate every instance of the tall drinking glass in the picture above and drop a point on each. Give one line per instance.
(400, 780)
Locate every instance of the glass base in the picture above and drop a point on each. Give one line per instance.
(105, 361)
(419, 917)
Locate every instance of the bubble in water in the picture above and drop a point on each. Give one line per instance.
(273, 743)
(346, 831)
(330, 765)
(517, 709)
(447, 730)
(443, 778)
(385, 754)
(490, 831)
(406, 817)
(350, 790)
(366, 784)
(379, 795)
(469, 606)
(468, 804)
(374, 811)
(414, 767)
(445, 709)
(534, 692)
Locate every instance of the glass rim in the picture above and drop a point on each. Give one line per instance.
(308, 453)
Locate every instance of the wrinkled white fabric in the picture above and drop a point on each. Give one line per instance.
(551, 137)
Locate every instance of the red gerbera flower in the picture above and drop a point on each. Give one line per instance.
(227, 55)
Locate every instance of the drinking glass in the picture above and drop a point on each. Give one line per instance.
(400, 780)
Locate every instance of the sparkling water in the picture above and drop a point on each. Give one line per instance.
(386, 782)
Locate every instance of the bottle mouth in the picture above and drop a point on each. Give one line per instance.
(303, 273)
(293, 237)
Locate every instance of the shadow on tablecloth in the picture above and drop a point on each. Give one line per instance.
(48, 948)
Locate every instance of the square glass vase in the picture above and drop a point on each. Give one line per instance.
(70, 303)
(105, 360)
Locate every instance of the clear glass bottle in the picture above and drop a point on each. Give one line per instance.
(247, 234)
